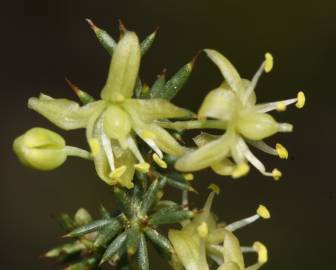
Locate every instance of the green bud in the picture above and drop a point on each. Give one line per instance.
(117, 123)
(41, 149)
(257, 126)
(82, 217)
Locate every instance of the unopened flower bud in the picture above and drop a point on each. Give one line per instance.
(40, 149)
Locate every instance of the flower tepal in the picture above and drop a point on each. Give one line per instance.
(232, 107)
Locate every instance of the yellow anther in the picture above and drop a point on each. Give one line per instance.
(214, 188)
(276, 174)
(281, 106)
(188, 176)
(263, 212)
(301, 100)
(94, 145)
(268, 62)
(148, 134)
(117, 173)
(203, 230)
(240, 170)
(159, 161)
(282, 151)
(262, 252)
(142, 167)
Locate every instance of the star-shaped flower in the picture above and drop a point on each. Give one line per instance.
(112, 122)
(232, 107)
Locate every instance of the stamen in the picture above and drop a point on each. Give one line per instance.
(282, 151)
(276, 105)
(247, 249)
(142, 167)
(134, 149)
(108, 150)
(242, 223)
(94, 146)
(241, 145)
(268, 62)
(262, 146)
(253, 83)
(281, 106)
(214, 188)
(285, 127)
(153, 145)
(301, 100)
(261, 249)
(276, 174)
(203, 230)
(159, 161)
(188, 176)
(117, 173)
(263, 212)
(240, 170)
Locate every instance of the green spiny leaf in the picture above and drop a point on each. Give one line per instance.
(124, 201)
(169, 215)
(83, 96)
(133, 238)
(93, 226)
(158, 85)
(107, 233)
(114, 248)
(104, 212)
(143, 262)
(151, 195)
(147, 43)
(103, 37)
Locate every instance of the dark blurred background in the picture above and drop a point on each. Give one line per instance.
(44, 41)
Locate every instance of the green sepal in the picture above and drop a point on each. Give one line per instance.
(106, 234)
(151, 195)
(65, 221)
(104, 212)
(158, 85)
(103, 37)
(92, 227)
(112, 252)
(142, 256)
(169, 215)
(86, 264)
(147, 43)
(124, 201)
(133, 238)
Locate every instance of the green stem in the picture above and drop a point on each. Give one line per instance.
(78, 152)
(194, 124)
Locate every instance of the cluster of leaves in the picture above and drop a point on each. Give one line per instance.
(120, 238)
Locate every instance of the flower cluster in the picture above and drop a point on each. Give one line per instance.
(134, 133)
(203, 239)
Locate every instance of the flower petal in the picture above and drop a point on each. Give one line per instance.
(220, 103)
(189, 249)
(229, 266)
(229, 72)
(231, 251)
(161, 138)
(206, 155)
(153, 109)
(64, 113)
(123, 69)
